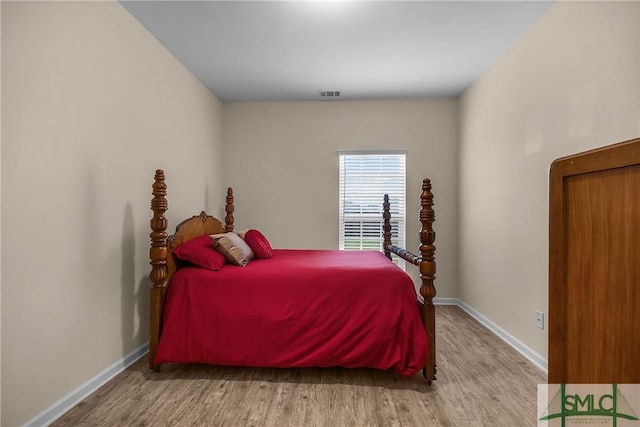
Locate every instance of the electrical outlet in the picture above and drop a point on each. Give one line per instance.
(540, 319)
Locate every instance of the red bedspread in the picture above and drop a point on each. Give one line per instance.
(300, 308)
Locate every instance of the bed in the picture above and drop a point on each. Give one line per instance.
(287, 308)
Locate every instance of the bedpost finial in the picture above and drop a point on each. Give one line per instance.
(158, 250)
(427, 239)
(427, 215)
(159, 191)
(229, 208)
(386, 228)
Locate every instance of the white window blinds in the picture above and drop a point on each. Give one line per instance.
(365, 177)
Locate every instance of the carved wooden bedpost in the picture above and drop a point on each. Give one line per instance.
(229, 208)
(427, 264)
(158, 255)
(427, 273)
(386, 216)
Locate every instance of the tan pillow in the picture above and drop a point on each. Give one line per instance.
(233, 248)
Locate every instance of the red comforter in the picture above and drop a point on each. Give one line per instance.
(300, 308)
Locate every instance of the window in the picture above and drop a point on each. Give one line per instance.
(365, 177)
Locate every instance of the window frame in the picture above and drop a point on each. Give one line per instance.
(371, 223)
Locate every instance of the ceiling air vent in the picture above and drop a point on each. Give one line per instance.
(329, 94)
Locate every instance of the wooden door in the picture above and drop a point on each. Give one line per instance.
(594, 266)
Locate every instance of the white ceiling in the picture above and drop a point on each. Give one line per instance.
(288, 50)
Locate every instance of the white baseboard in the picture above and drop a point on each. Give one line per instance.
(446, 301)
(59, 408)
(520, 347)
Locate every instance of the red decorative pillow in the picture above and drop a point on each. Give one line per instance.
(258, 244)
(200, 251)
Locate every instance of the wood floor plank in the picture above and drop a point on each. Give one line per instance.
(481, 382)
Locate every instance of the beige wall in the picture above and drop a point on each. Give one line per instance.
(91, 106)
(281, 159)
(570, 84)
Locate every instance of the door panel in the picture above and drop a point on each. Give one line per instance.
(594, 266)
(603, 295)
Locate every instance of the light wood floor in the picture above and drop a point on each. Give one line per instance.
(481, 382)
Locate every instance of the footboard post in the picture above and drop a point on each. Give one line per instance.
(427, 274)
(386, 217)
(158, 255)
(228, 209)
